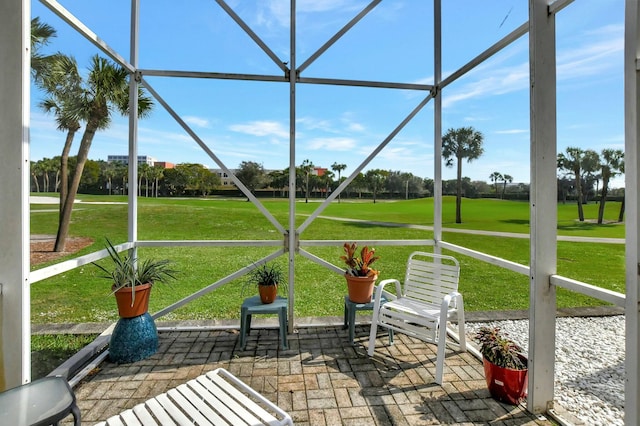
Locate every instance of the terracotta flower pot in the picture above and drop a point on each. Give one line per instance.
(505, 384)
(140, 304)
(360, 288)
(268, 293)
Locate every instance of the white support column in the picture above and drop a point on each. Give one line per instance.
(15, 312)
(132, 230)
(543, 206)
(293, 235)
(437, 122)
(632, 183)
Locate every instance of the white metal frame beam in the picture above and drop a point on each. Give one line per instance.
(542, 206)
(292, 236)
(437, 121)
(132, 194)
(632, 183)
(15, 300)
(83, 30)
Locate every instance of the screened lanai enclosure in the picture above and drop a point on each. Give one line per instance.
(293, 73)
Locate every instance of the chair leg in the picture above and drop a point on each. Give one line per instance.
(75, 411)
(442, 343)
(282, 316)
(461, 326)
(346, 318)
(243, 328)
(352, 323)
(372, 337)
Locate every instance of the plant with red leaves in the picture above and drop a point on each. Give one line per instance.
(359, 266)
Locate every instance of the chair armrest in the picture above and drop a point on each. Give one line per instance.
(389, 296)
(380, 290)
(454, 296)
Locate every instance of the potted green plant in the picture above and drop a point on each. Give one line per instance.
(505, 365)
(268, 278)
(131, 280)
(359, 274)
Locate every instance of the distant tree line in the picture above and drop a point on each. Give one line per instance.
(188, 179)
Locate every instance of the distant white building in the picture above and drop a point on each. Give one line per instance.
(142, 159)
(225, 179)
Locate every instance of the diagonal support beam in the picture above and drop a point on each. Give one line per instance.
(74, 22)
(337, 36)
(208, 289)
(253, 35)
(507, 40)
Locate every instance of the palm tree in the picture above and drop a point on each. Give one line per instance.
(156, 173)
(573, 164)
(143, 173)
(505, 179)
(326, 180)
(338, 168)
(35, 170)
(465, 142)
(621, 213)
(495, 177)
(48, 167)
(106, 89)
(62, 82)
(56, 74)
(609, 167)
(109, 172)
(590, 175)
(41, 35)
(306, 168)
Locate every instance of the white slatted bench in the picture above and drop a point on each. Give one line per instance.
(215, 398)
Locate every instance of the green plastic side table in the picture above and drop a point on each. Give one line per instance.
(350, 309)
(42, 402)
(252, 306)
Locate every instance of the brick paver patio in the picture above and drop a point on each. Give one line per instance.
(319, 380)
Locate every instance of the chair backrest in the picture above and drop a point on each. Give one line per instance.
(430, 277)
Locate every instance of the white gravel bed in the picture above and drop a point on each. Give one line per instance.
(589, 374)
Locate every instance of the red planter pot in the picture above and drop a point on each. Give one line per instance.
(140, 304)
(267, 293)
(505, 384)
(360, 288)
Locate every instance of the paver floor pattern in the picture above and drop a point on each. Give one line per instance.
(320, 380)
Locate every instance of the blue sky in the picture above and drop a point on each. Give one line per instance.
(249, 121)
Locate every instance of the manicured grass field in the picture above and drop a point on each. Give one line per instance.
(82, 296)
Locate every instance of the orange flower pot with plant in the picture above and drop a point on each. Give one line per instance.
(360, 276)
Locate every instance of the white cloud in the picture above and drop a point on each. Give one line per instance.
(151, 136)
(196, 121)
(262, 128)
(590, 59)
(581, 61)
(351, 124)
(332, 144)
(355, 127)
(493, 81)
(312, 123)
(277, 11)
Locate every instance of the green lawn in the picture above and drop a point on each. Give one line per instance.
(82, 296)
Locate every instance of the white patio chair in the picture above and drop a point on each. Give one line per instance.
(428, 299)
